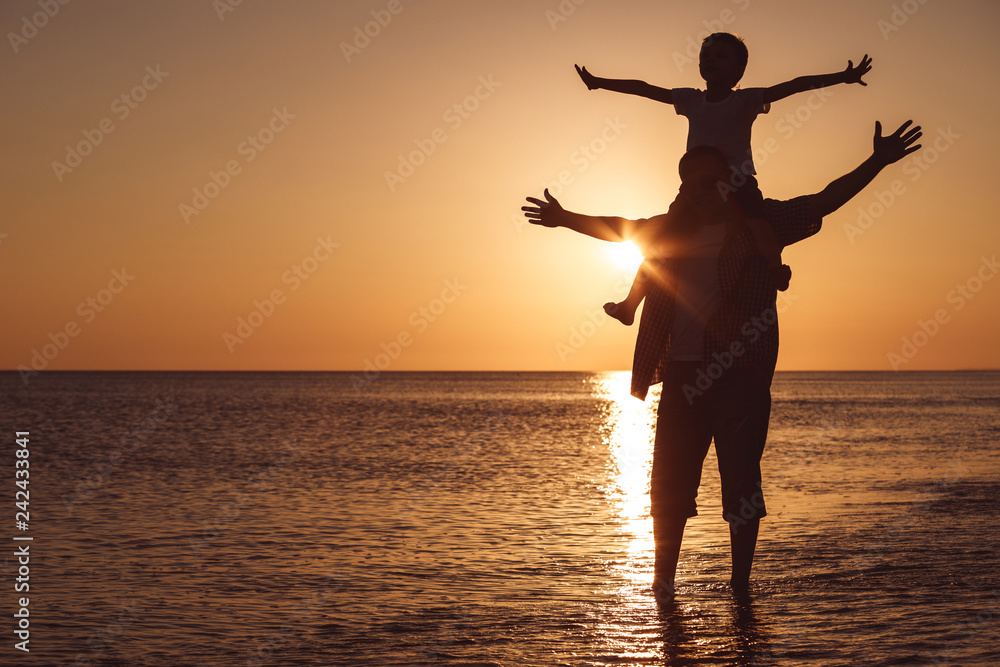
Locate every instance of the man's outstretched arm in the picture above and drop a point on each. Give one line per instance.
(550, 213)
(886, 150)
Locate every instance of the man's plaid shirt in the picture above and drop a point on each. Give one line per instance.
(745, 325)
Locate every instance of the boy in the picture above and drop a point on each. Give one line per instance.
(722, 117)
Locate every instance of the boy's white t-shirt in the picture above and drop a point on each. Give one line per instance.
(724, 124)
(698, 293)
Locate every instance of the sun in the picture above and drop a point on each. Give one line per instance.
(625, 255)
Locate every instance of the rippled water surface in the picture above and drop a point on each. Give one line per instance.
(492, 519)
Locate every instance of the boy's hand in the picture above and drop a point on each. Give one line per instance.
(897, 145)
(545, 213)
(853, 74)
(587, 77)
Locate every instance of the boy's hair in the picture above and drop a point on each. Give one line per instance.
(742, 54)
(703, 151)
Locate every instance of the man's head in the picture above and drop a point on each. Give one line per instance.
(723, 59)
(704, 171)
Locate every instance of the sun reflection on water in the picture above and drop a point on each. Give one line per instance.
(628, 433)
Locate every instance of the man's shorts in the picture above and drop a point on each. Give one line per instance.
(734, 409)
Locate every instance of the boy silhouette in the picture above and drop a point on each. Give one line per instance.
(722, 116)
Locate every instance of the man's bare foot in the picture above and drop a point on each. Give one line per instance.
(741, 589)
(621, 312)
(663, 590)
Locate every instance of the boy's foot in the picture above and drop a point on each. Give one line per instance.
(781, 275)
(620, 312)
(663, 591)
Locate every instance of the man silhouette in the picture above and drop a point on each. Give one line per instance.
(709, 332)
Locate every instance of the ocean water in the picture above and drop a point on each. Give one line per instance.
(490, 519)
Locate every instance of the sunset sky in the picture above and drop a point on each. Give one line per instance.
(262, 185)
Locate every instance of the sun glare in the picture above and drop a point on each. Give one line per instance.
(625, 255)
(628, 434)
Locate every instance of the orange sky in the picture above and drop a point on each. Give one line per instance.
(270, 188)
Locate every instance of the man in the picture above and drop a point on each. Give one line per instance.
(709, 332)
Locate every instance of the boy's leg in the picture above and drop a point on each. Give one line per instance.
(767, 242)
(751, 201)
(624, 311)
(767, 245)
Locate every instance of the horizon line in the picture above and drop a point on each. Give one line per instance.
(362, 371)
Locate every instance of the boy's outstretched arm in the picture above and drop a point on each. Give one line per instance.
(630, 86)
(803, 83)
(885, 151)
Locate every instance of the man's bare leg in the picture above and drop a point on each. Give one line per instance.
(667, 535)
(743, 539)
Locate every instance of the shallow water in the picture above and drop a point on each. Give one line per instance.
(495, 519)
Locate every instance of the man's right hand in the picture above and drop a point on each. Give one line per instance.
(896, 146)
(545, 213)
